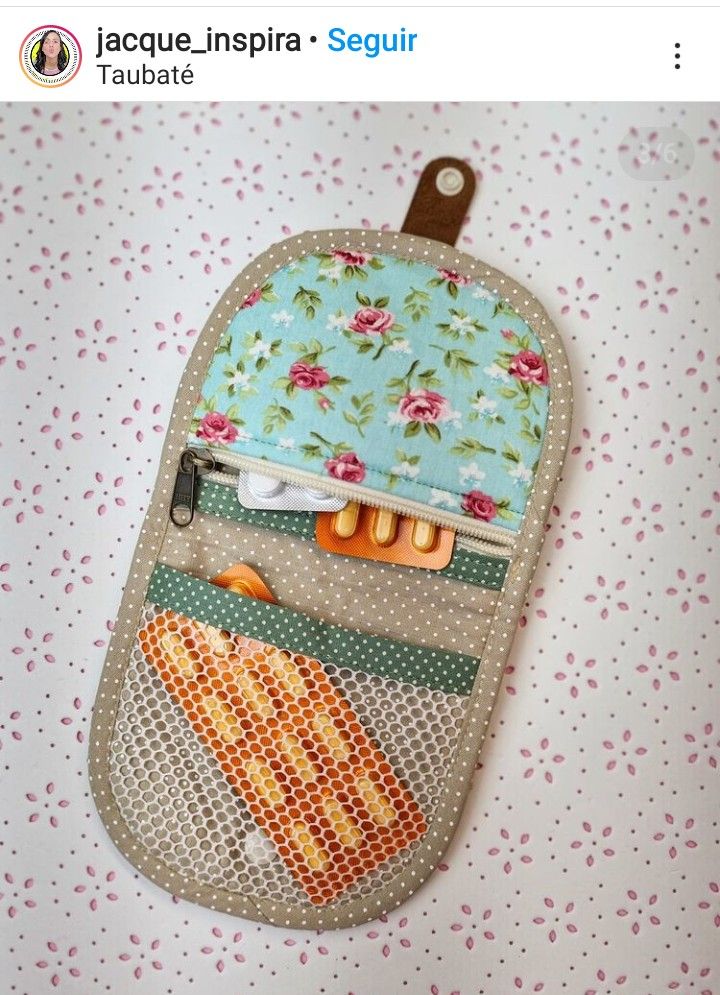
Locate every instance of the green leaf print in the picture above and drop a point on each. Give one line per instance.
(417, 304)
(522, 394)
(276, 417)
(286, 384)
(362, 411)
(456, 360)
(400, 386)
(470, 447)
(310, 352)
(224, 345)
(365, 301)
(502, 307)
(450, 285)
(267, 293)
(503, 510)
(326, 448)
(428, 379)
(511, 454)
(433, 431)
(530, 432)
(308, 301)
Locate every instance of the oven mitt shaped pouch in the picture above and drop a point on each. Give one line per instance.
(299, 753)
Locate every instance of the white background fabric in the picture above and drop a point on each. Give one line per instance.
(586, 860)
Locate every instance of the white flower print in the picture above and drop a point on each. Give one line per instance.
(260, 348)
(241, 380)
(484, 405)
(461, 323)
(283, 318)
(442, 497)
(243, 435)
(400, 345)
(470, 472)
(337, 322)
(522, 474)
(334, 272)
(405, 469)
(496, 372)
(286, 443)
(482, 294)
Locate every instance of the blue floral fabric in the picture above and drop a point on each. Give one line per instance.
(386, 373)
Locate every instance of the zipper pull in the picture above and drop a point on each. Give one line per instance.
(192, 462)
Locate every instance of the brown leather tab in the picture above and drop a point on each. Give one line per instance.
(441, 200)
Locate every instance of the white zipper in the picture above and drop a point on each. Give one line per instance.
(469, 530)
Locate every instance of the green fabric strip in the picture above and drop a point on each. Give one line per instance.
(218, 499)
(438, 670)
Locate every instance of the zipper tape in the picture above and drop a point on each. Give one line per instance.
(401, 506)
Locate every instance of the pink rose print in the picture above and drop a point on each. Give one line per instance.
(308, 377)
(529, 367)
(452, 277)
(217, 427)
(346, 467)
(372, 321)
(424, 405)
(252, 298)
(352, 258)
(479, 505)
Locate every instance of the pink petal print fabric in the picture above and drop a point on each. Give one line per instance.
(586, 861)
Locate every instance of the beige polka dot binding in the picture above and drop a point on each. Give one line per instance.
(163, 798)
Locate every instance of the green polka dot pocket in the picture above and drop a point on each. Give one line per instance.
(304, 761)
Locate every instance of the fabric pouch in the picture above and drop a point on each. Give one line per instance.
(304, 761)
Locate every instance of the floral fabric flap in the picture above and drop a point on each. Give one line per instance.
(386, 372)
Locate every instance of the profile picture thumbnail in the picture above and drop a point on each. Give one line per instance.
(50, 55)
